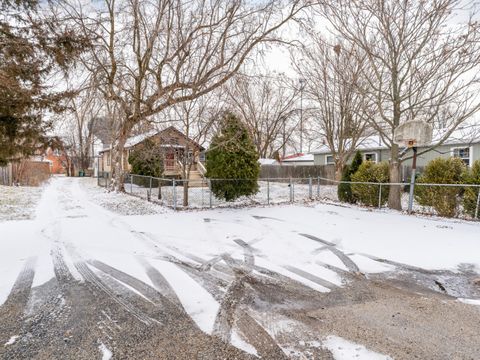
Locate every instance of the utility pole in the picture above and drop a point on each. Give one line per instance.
(302, 84)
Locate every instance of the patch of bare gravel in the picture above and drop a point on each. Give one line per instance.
(401, 323)
(18, 202)
(119, 203)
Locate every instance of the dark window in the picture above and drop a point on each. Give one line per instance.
(462, 153)
(371, 157)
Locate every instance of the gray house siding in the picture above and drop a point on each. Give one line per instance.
(444, 151)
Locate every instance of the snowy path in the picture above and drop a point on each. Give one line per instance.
(84, 281)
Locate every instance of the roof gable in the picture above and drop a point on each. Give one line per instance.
(162, 134)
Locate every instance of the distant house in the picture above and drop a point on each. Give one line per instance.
(264, 161)
(463, 143)
(57, 159)
(174, 144)
(298, 159)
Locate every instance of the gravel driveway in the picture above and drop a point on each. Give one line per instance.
(92, 308)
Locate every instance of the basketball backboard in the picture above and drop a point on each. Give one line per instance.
(413, 133)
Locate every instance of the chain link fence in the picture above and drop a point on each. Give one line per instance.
(103, 178)
(451, 200)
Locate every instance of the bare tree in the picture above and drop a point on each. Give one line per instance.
(267, 104)
(149, 55)
(335, 74)
(422, 65)
(83, 117)
(196, 118)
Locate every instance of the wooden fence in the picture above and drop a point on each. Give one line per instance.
(25, 173)
(6, 175)
(297, 171)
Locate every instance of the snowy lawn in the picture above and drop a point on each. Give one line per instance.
(119, 203)
(314, 244)
(274, 192)
(18, 203)
(290, 239)
(279, 234)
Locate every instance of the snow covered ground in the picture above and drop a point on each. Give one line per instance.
(345, 350)
(205, 257)
(18, 203)
(273, 192)
(117, 202)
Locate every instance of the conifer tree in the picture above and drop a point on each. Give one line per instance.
(232, 161)
(344, 189)
(34, 45)
(147, 159)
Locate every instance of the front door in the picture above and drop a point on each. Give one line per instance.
(170, 161)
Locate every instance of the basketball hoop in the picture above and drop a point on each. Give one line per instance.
(413, 133)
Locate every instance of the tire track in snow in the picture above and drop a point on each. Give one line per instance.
(214, 285)
(88, 275)
(259, 338)
(11, 312)
(24, 281)
(325, 283)
(168, 306)
(161, 283)
(247, 252)
(302, 273)
(234, 295)
(230, 314)
(224, 320)
(351, 266)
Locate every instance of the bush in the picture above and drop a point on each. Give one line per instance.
(471, 194)
(232, 155)
(371, 172)
(443, 199)
(344, 190)
(146, 160)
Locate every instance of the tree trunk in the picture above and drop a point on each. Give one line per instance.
(394, 196)
(185, 193)
(117, 180)
(186, 178)
(339, 165)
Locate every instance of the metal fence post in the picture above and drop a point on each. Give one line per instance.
(310, 193)
(150, 190)
(211, 196)
(478, 203)
(290, 185)
(412, 181)
(174, 195)
(380, 197)
(293, 191)
(131, 184)
(318, 187)
(268, 191)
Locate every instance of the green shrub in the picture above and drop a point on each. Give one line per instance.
(147, 160)
(470, 195)
(232, 158)
(444, 199)
(370, 172)
(344, 190)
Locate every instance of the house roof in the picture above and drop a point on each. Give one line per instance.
(469, 134)
(298, 158)
(137, 139)
(373, 142)
(267, 161)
